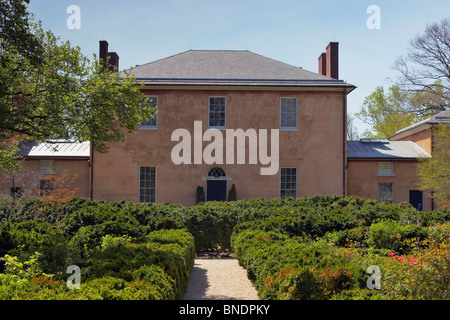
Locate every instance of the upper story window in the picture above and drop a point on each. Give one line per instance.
(385, 168)
(217, 112)
(46, 166)
(152, 122)
(288, 113)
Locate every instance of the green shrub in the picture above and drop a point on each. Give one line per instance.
(111, 218)
(359, 294)
(171, 250)
(390, 234)
(428, 218)
(24, 238)
(151, 283)
(200, 195)
(267, 255)
(232, 196)
(292, 284)
(167, 223)
(315, 247)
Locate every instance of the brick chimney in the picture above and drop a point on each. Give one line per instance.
(332, 60)
(329, 61)
(104, 55)
(323, 64)
(113, 59)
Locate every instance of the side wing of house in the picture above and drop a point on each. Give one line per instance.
(41, 163)
(386, 171)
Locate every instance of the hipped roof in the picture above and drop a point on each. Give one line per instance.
(229, 67)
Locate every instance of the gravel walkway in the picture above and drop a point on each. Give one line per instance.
(219, 279)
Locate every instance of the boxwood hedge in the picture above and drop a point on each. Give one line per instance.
(291, 248)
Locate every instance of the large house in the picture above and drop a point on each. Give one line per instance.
(225, 91)
(236, 117)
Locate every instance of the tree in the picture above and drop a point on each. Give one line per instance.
(386, 112)
(425, 71)
(232, 196)
(58, 195)
(352, 130)
(434, 172)
(15, 32)
(61, 94)
(422, 88)
(200, 195)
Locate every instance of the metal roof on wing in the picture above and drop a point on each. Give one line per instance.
(441, 117)
(383, 149)
(55, 149)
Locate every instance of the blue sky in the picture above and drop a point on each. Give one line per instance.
(294, 32)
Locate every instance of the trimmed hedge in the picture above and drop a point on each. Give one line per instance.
(308, 248)
(212, 223)
(157, 268)
(323, 252)
(171, 250)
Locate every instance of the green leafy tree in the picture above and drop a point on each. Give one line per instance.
(385, 112)
(434, 172)
(50, 90)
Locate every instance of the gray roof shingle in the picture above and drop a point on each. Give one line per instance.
(228, 67)
(386, 150)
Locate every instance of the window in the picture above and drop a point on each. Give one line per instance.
(288, 182)
(147, 184)
(385, 168)
(16, 192)
(385, 192)
(45, 186)
(217, 112)
(289, 113)
(216, 173)
(47, 166)
(152, 122)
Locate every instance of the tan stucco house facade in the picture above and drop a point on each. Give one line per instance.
(227, 91)
(229, 117)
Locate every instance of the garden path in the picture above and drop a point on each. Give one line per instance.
(219, 279)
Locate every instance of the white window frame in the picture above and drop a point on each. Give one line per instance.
(209, 113)
(139, 181)
(284, 128)
(153, 100)
(47, 166)
(392, 193)
(296, 181)
(383, 171)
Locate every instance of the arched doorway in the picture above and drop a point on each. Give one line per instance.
(216, 185)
